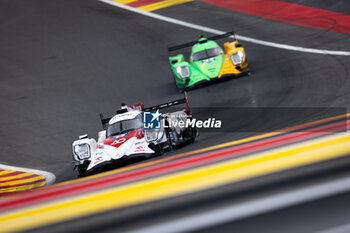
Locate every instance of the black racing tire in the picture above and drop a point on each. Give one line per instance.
(157, 149)
(82, 169)
(193, 135)
(170, 145)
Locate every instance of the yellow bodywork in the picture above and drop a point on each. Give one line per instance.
(228, 67)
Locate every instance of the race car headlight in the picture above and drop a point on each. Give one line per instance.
(151, 135)
(183, 71)
(82, 151)
(237, 58)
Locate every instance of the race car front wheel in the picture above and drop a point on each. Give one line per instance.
(82, 168)
(156, 148)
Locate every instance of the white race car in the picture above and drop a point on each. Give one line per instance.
(124, 136)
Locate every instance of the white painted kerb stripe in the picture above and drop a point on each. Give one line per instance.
(49, 177)
(250, 208)
(215, 31)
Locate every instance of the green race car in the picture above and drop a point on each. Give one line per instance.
(208, 62)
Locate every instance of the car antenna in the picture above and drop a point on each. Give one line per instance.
(233, 34)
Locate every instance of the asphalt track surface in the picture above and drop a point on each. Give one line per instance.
(64, 62)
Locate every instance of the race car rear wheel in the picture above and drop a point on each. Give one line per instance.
(191, 134)
(168, 142)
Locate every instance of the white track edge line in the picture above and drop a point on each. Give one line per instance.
(215, 31)
(49, 177)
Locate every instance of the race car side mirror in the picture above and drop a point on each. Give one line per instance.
(83, 136)
(139, 135)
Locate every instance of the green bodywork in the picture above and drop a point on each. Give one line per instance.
(204, 69)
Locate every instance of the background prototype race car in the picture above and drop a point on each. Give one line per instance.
(208, 61)
(123, 136)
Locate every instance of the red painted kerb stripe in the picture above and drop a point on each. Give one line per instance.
(12, 173)
(289, 13)
(23, 184)
(16, 179)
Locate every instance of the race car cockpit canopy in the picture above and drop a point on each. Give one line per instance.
(206, 54)
(124, 124)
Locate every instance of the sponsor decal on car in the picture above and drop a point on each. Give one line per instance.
(98, 160)
(140, 142)
(139, 149)
(208, 60)
(120, 136)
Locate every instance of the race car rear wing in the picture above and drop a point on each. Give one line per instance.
(189, 44)
(172, 103)
(104, 121)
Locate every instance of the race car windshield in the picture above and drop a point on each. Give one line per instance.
(124, 126)
(205, 54)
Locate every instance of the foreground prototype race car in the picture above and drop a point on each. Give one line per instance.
(208, 62)
(124, 135)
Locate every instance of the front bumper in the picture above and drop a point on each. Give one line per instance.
(117, 161)
(215, 80)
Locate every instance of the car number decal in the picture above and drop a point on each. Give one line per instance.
(118, 141)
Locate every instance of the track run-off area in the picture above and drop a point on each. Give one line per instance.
(64, 62)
